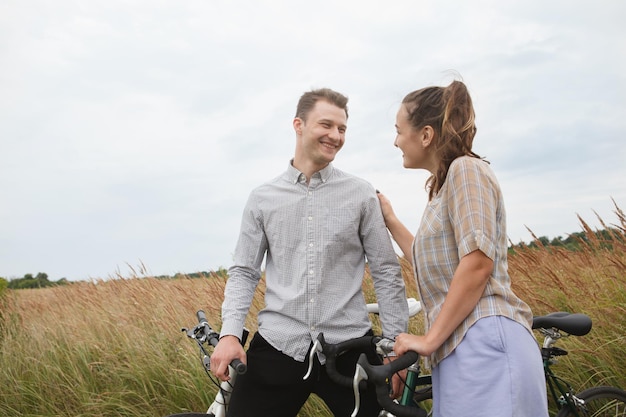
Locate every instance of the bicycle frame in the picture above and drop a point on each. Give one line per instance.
(222, 398)
(414, 380)
(550, 326)
(560, 390)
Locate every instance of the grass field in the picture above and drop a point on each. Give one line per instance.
(114, 347)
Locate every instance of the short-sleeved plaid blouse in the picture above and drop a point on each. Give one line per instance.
(467, 214)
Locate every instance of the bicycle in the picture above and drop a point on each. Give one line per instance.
(205, 337)
(599, 401)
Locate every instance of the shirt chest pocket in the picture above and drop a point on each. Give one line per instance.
(432, 221)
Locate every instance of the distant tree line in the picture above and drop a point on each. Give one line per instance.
(577, 241)
(574, 242)
(38, 281)
(220, 273)
(41, 279)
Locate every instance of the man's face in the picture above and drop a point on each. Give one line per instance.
(322, 135)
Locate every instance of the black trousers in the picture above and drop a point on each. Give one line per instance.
(273, 385)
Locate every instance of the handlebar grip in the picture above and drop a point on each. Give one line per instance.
(239, 366)
(201, 316)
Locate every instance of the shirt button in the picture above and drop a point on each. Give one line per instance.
(310, 217)
(312, 300)
(311, 245)
(310, 272)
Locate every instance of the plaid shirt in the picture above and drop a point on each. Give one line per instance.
(315, 239)
(467, 214)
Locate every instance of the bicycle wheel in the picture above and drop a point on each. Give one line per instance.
(599, 402)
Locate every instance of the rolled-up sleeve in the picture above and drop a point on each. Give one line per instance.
(473, 202)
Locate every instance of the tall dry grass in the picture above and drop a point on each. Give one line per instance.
(590, 281)
(114, 347)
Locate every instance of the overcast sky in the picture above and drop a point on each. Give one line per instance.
(131, 132)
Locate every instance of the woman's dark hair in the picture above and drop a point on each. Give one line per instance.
(449, 111)
(307, 101)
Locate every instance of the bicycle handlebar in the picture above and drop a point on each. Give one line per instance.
(378, 375)
(213, 339)
(332, 351)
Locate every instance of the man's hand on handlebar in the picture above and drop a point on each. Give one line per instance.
(396, 380)
(228, 348)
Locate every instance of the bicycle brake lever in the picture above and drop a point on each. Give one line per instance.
(191, 333)
(317, 347)
(359, 375)
(384, 346)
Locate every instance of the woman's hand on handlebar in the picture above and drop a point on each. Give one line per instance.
(228, 348)
(417, 343)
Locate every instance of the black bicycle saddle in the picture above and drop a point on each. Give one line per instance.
(576, 324)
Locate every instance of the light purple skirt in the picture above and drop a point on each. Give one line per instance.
(496, 371)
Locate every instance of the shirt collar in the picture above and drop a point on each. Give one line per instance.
(294, 174)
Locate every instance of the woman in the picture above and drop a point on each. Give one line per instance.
(478, 336)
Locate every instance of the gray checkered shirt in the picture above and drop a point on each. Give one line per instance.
(315, 239)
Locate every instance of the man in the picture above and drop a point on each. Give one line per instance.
(316, 226)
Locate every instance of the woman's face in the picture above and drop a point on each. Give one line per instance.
(409, 141)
